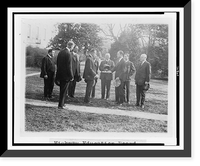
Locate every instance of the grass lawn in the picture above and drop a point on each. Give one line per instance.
(40, 119)
(156, 97)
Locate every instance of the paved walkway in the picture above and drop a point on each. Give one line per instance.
(32, 74)
(99, 110)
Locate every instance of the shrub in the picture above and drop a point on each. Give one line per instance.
(34, 56)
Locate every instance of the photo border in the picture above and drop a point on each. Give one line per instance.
(127, 153)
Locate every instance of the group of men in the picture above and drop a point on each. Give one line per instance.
(68, 73)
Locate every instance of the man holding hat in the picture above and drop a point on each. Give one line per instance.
(106, 75)
(119, 71)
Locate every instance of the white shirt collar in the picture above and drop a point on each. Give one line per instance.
(120, 59)
(49, 56)
(143, 62)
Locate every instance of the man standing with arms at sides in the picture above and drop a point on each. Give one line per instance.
(129, 71)
(89, 74)
(96, 64)
(142, 77)
(64, 71)
(106, 75)
(76, 72)
(119, 72)
(48, 72)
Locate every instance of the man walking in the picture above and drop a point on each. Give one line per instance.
(48, 73)
(64, 71)
(142, 77)
(106, 75)
(129, 71)
(89, 74)
(119, 71)
(76, 72)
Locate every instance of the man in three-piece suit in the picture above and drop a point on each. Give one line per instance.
(48, 73)
(106, 75)
(142, 77)
(76, 72)
(64, 71)
(89, 74)
(119, 72)
(129, 71)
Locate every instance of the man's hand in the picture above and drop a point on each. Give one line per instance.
(96, 76)
(46, 76)
(146, 82)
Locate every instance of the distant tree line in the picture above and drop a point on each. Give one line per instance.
(135, 39)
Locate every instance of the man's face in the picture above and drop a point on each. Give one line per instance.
(142, 58)
(119, 55)
(126, 57)
(107, 57)
(71, 47)
(76, 49)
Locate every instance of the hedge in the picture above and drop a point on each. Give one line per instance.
(34, 56)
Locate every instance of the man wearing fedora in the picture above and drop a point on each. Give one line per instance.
(142, 78)
(119, 72)
(106, 75)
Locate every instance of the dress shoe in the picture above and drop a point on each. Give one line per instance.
(137, 105)
(142, 106)
(59, 107)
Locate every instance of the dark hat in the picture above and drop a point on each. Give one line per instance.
(146, 87)
(107, 66)
(57, 82)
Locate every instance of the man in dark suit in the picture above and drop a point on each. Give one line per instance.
(106, 75)
(129, 71)
(119, 72)
(64, 71)
(96, 64)
(142, 77)
(76, 72)
(89, 74)
(48, 73)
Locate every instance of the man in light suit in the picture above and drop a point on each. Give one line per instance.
(142, 77)
(64, 72)
(106, 75)
(119, 72)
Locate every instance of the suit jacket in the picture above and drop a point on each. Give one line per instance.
(90, 69)
(47, 66)
(64, 65)
(75, 66)
(129, 70)
(106, 76)
(119, 69)
(143, 73)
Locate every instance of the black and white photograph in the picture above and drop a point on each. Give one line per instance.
(97, 79)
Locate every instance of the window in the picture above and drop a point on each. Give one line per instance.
(44, 34)
(29, 31)
(37, 33)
